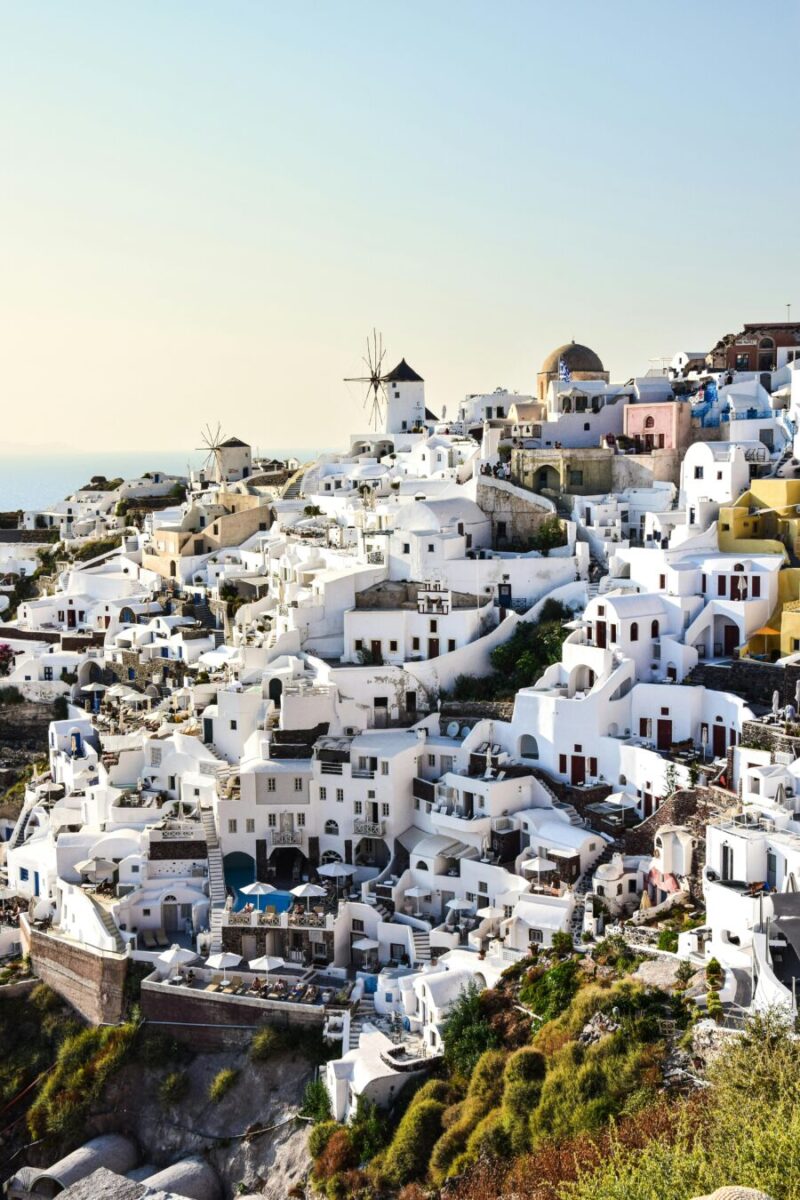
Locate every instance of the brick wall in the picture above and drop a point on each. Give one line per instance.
(211, 1022)
(93, 982)
(754, 681)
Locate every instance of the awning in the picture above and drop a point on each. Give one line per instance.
(365, 943)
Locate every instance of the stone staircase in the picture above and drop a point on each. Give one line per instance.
(583, 886)
(363, 1014)
(294, 487)
(109, 924)
(422, 947)
(18, 834)
(216, 879)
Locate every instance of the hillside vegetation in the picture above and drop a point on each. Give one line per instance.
(569, 1101)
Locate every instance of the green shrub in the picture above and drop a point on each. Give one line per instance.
(562, 944)
(84, 1064)
(174, 1087)
(484, 1093)
(316, 1101)
(467, 1033)
(320, 1135)
(550, 993)
(522, 1086)
(410, 1150)
(268, 1042)
(11, 695)
(222, 1083)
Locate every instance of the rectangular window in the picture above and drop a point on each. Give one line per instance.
(359, 645)
(233, 724)
(576, 478)
(384, 768)
(384, 809)
(662, 582)
(298, 785)
(451, 644)
(272, 820)
(271, 784)
(430, 547)
(756, 586)
(720, 585)
(392, 647)
(301, 820)
(562, 764)
(434, 626)
(483, 888)
(232, 826)
(415, 643)
(406, 547)
(250, 825)
(535, 937)
(323, 793)
(698, 472)
(358, 807)
(431, 760)
(357, 925)
(340, 795)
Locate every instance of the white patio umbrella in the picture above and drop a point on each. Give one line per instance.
(97, 868)
(94, 687)
(365, 943)
(176, 956)
(266, 963)
(490, 912)
(538, 864)
(308, 892)
(337, 871)
(457, 905)
(221, 962)
(257, 889)
(418, 892)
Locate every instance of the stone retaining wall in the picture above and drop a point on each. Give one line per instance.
(92, 981)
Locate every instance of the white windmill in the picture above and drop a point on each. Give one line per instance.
(213, 440)
(375, 399)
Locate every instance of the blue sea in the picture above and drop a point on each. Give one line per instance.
(29, 480)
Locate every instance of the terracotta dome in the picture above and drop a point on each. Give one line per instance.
(577, 358)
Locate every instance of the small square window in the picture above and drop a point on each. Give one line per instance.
(393, 647)
(233, 724)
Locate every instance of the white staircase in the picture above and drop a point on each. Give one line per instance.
(363, 1014)
(422, 947)
(18, 834)
(216, 879)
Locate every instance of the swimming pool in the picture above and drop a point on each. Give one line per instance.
(238, 877)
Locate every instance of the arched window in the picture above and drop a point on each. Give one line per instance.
(766, 343)
(422, 866)
(332, 827)
(634, 631)
(649, 422)
(330, 856)
(654, 629)
(528, 746)
(738, 566)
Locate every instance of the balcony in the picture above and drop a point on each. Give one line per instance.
(368, 828)
(287, 837)
(423, 789)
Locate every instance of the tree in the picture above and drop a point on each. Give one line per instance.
(467, 1034)
(549, 534)
(6, 658)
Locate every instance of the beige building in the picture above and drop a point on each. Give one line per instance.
(581, 362)
(204, 529)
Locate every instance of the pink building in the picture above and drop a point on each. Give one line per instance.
(664, 426)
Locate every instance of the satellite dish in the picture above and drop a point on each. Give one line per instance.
(465, 731)
(452, 729)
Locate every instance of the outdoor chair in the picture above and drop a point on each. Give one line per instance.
(161, 939)
(149, 939)
(216, 980)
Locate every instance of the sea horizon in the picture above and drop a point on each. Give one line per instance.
(31, 479)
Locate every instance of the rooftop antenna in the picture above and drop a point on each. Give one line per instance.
(375, 398)
(212, 444)
(788, 312)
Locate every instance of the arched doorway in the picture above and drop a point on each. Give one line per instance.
(528, 746)
(239, 869)
(275, 690)
(547, 478)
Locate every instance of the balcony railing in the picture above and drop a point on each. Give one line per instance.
(368, 828)
(362, 773)
(287, 837)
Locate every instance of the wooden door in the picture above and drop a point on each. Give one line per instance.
(70, 618)
(433, 647)
(600, 636)
(664, 735)
(578, 774)
(375, 647)
(731, 639)
(719, 743)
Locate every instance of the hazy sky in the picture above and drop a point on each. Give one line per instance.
(204, 207)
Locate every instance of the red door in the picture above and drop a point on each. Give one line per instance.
(70, 618)
(600, 636)
(736, 587)
(731, 639)
(433, 647)
(664, 735)
(719, 743)
(578, 775)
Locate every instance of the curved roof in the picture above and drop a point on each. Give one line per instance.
(191, 1177)
(576, 357)
(111, 1150)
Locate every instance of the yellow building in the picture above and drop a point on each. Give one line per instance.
(764, 520)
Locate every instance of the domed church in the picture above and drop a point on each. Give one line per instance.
(581, 362)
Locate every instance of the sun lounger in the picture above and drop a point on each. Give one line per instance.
(162, 940)
(148, 939)
(216, 980)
